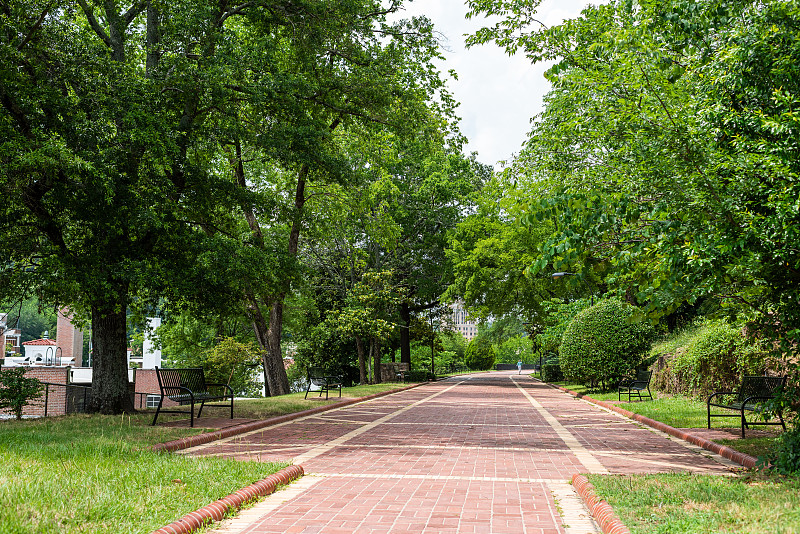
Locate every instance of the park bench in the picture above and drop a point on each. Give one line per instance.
(636, 386)
(189, 386)
(753, 391)
(325, 382)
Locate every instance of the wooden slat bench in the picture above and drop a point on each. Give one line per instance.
(637, 386)
(753, 391)
(188, 386)
(325, 382)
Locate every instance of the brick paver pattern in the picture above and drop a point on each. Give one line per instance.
(473, 454)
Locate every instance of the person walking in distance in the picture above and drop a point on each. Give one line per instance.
(519, 367)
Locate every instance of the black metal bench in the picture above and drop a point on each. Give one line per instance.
(637, 386)
(753, 391)
(325, 382)
(188, 386)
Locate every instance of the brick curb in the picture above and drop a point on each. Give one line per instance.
(601, 511)
(202, 439)
(217, 509)
(740, 458)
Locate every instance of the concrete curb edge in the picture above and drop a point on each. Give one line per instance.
(217, 509)
(740, 458)
(601, 511)
(208, 437)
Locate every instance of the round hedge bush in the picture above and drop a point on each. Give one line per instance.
(604, 343)
(479, 355)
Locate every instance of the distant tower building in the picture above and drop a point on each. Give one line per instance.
(462, 323)
(68, 338)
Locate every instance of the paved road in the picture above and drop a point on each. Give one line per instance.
(485, 453)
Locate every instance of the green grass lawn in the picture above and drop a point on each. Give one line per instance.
(96, 473)
(693, 504)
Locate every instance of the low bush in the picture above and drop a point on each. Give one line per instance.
(480, 355)
(551, 372)
(603, 343)
(709, 356)
(786, 457)
(17, 390)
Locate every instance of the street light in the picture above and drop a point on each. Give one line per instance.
(556, 276)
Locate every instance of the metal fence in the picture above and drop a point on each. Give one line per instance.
(62, 399)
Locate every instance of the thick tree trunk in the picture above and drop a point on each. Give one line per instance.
(275, 380)
(376, 360)
(110, 393)
(362, 364)
(405, 334)
(279, 383)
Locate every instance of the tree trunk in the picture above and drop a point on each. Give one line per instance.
(433, 354)
(110, 393)
(405, 334)
(362, 364)
(376, 360)
(279, 382)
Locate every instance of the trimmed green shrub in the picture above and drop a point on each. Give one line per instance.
(558, 315)
(479, 355)
(551, 372)
(17, 390)
(604, 343)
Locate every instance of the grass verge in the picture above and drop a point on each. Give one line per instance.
(691, 504)
(96, 474)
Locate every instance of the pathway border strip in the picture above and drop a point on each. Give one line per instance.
(740, 458)
(601, 511)
(581, 453)
(208, 437)
(218, 509)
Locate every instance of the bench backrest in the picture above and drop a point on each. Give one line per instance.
(760, 386)
(193, 379)
(643, 376)
(316, 372)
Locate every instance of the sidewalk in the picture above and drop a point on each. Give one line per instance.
(487, 453)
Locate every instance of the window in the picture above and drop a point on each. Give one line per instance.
(152, 401)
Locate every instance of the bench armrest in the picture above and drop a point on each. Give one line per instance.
(219, 384)
(719, 393)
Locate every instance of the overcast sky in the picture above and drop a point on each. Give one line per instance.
(498, 94)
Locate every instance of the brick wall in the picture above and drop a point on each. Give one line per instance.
(146, 382)
(56, 396)
(69, 338)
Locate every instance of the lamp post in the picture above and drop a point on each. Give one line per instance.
(556, 276)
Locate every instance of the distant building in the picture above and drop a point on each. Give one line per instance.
(10, 338)
(69, 339)
(462, 323)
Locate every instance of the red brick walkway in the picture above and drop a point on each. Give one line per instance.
(479, 454)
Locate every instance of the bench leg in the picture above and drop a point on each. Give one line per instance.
(201, 409)
(191, 416)
(157, 410)
(744, 423)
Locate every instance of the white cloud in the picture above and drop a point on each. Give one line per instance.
(498, 94)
